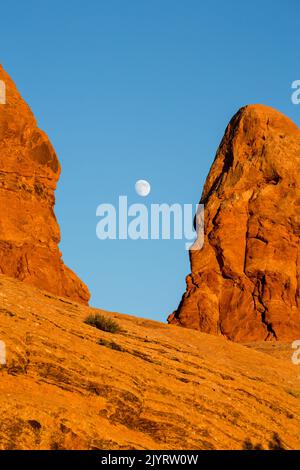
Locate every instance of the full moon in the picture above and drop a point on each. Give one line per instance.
(142, 188)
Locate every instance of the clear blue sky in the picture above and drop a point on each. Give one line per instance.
(133, 89)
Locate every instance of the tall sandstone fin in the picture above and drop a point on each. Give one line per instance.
(245, 280)
(29, 232)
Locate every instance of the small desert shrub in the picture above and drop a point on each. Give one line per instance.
(103, 323)
(110, 344)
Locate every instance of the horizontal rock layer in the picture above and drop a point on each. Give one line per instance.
(150, 386)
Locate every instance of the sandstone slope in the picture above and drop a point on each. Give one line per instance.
(29, 171)
(245, 281)
(168, 387)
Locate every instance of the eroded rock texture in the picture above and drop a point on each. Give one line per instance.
(29, 171)
(244, 282)
(67, 385)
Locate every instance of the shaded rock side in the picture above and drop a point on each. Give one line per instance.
(29, 232)
(244, 281)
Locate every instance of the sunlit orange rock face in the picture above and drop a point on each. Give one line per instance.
(29, 171)
(67, 385)
(245, 280)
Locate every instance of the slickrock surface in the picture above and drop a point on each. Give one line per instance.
(168, 388)
(245, 281)
(29, 233)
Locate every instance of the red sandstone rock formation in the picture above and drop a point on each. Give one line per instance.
(72, 386)
(29, 233)
(245, 281)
